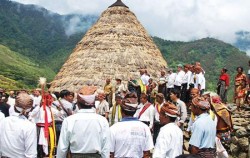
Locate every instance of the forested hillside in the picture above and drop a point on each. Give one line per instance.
(211, 53)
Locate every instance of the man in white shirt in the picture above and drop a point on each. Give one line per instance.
(66, 102)
(130, 137)
(144, 77)
(181, 106)
(43, 117)
(170, 82)
(84, 133)
(170, 139)
(18, 137)
(201, 80)
(185, 84)
(103, 107)
(145, 112)
(36, 95)
(179, 77)
(119, 87)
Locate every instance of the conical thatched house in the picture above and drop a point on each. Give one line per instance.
(116, 46)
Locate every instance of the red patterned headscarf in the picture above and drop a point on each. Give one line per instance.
(201, 103)
(170, 109)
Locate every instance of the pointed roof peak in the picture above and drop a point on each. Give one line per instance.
(118, 3)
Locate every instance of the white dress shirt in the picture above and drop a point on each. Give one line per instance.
(11, 101)
(2, 116)
(187, 78)
(179, 78)
(120, 88)
(67, 105)
(194, 79)
(145, 79)
(129, 138)
(201, 80)
(36, 100)
(59, 115)
(169, 142)
(171, 79)
(18, 138)
(84, 132)
(37, 115)
(103, 107)
(182, 109)
(148, 114)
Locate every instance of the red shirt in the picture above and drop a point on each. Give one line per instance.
(225, 77)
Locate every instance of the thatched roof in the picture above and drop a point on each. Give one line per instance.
(116, 46)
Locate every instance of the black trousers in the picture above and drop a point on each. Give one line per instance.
(157, 127)
(177, 88)
(90, 155)
(184, 93)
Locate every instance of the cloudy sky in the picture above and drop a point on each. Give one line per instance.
(179, 20)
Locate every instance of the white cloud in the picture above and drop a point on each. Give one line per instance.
(180, 20)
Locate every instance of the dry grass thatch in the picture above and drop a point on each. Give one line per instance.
(116, 46)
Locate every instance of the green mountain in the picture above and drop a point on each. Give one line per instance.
(40, 36)
(18, 71)
(35, 42)
(243, 40)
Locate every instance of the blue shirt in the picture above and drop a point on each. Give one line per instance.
(204, 132)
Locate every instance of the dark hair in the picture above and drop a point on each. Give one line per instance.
(172, 119)
(224, 69)
(143, 95)
(239, 67)
(72, 93)
(64, 93)
(175, 92)
(57, 94)
(83, 106)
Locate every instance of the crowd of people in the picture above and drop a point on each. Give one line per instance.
(144, 118)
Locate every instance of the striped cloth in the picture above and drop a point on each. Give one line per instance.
(207, 153)
(85, 156)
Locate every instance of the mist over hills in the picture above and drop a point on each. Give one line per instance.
(45, 39)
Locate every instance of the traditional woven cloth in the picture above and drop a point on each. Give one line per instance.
(85, 155)
(207, 153)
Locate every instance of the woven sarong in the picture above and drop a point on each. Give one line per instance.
(207, 153)
(85, 156)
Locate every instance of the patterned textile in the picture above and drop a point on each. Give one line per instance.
(221, 91)
(207, 153)
(225, 137)
(222, 111)
(85, 156)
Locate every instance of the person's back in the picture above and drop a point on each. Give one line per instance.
(205, 125)
(84, 133)
(18, 137)
(130, 137)
(84, 130)
(172, 137)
